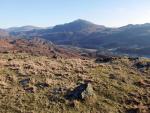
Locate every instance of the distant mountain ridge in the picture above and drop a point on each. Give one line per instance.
(3, 33)
(22, 29)
(85, 34)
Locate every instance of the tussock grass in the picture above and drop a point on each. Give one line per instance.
(113, 84)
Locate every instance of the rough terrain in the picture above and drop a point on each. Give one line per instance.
(31, 83)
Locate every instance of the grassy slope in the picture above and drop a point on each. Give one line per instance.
(113, 83)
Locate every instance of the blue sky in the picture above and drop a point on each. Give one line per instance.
(51, 12)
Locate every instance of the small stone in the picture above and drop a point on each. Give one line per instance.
(24, 82)
(42, 85)
(29, 90)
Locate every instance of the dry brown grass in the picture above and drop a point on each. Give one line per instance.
(113, 84)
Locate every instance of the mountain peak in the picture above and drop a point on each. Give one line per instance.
(77, 25)
(82, 21)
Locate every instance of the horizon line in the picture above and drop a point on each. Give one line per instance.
(44, 27)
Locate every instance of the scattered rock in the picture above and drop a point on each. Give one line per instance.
(81, 92)
(133, 58)
(133, 110)
(42, 85)
(140, 65)
(55, 56)
(24, 82)
(29, 90)
(10, 59)
(105, 59)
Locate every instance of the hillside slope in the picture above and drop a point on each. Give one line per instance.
(30, 83)
(34, 46)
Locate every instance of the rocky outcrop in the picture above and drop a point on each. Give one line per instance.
(105, 59)
(81, 92)
(133, 58)
(140, 65)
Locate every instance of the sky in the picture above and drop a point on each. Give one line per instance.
(44, 13)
